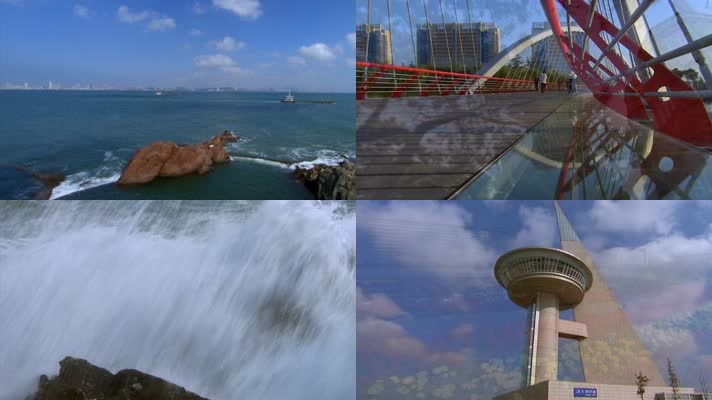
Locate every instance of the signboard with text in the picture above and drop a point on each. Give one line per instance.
(585, 392)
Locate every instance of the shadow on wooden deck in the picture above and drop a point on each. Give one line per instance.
(427, 147)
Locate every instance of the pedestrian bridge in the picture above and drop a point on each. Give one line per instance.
(521, 145)
(638, 129)
(616, 59)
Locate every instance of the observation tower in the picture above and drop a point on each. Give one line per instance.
(546, 281)
(549, 280)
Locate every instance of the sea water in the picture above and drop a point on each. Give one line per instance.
(90, 136)
(232, 300)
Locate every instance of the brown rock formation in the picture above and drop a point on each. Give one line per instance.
(167, 159)
(328, 182)
(186, 160)
(80, 380)
(146, 164)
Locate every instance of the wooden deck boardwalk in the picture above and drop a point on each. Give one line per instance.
(427, 147)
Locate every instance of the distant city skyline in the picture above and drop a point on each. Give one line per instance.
(251, 44)
(50, 85)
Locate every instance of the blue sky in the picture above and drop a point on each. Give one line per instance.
(305, 45)
(427, 297)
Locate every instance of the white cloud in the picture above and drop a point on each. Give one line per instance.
(229, 44)
(351, 38)
(539, 228)
(214, 60)
(125, 15)
(162, 24)
(249, 9)
(662, 277)
(666, 341)
(157, 22)
(430, 236)
(670, 300)
(463, 330)
(196, 32)
(634, 216)
(680, 336)
(198, 8)
(81, 11)
(671, 258)
(235, 70)
(318, 51)
(296, 60)
(390, 339)
(219, 61)
(376, 305)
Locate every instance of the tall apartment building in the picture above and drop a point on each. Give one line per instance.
(379, 44)
(547, 53)
(443, 44)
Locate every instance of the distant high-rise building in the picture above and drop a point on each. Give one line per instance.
(379, 44)
(27, 85)
(50, 85)
(471, 45)
(547, 53)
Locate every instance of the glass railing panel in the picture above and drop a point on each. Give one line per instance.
(586, 151)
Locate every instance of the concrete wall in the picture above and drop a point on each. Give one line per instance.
(547, 360)
(565, 391)
(539, 391)
(572, 329)
(560, 390)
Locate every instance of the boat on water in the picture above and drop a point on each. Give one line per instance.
(159, 94)
(288, 98)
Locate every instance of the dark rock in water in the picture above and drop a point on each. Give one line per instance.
(168, 159)
(21, 183)
(329, 182)
(80, 380)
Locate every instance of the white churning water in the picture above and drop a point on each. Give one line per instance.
(229, 299)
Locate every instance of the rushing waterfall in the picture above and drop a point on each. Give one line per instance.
(232, 300)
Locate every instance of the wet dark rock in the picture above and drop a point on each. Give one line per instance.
(328, 182)
(80, 380)
(22, 183)
(168, 159)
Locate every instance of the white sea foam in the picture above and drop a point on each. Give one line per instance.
(327, 157)
(232, 300)
(259, 160)
(81, 181)
(109, 171)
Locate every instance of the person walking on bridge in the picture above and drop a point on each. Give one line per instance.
(542, 81)
(571, 83)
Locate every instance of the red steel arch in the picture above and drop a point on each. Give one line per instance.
(684, 118)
